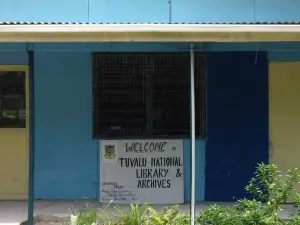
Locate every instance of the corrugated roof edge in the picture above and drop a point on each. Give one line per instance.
(74, 23)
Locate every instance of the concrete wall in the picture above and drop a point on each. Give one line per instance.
(66, 155)
(150, 11)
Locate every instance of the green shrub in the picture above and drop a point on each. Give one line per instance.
(270, 192)
(146, 215)
(218, 215)
(168, 216)
(269, 188)
(137, 215)
(88, 217)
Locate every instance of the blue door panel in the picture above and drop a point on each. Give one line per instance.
(237, 124)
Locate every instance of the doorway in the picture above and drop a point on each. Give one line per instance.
(237, 124)
(14, 132)
(284, 110)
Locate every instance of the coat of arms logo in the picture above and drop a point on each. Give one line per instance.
(110, 151)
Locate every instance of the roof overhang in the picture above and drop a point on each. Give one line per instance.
(149, 33)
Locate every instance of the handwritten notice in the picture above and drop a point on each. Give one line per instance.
(141, 171)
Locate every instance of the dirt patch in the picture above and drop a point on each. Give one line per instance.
(48, 219)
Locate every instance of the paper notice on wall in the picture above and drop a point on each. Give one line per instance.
(141, 171)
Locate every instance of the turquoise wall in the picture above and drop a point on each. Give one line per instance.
(235, 10)
(200, 170)
(150, 11)
(66, 155)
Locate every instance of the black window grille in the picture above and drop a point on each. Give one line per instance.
(146, 95)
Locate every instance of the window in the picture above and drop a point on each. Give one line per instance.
(146, 95)
(12, 99)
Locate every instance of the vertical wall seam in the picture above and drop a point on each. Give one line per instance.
(170, 11)
(254, 9)
(88, 11)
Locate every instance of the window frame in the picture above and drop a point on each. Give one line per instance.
(25, 69)
(149, 137)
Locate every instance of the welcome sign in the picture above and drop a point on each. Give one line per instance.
(141, 171)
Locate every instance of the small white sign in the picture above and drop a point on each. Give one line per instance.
(141, 171)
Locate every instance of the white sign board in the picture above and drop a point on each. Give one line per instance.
(141, 171)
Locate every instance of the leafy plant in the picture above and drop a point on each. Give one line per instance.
(218, 215)
(268, 185)
(253, 212)
(146, 215)
(137, 215)
(110, 218)
(88, 218)
(270, 190)
(168, 216)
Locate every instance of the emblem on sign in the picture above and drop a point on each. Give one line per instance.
(110, 151)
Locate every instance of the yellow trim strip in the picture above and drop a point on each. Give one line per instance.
(148, 33)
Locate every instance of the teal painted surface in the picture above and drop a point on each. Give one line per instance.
(114, 11)
(200, 170)
(277, 10)
(150, 11)
(278, 48)
(113, 47)
(285, 56)
(66, 156)
(277, 51)
(45, 10)
(16, 57)
(66, 159)
(235, 11)
(212, 11)
(13, 53)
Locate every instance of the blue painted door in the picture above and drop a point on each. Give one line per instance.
(237, 124)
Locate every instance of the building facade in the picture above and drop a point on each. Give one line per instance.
(247, 107)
